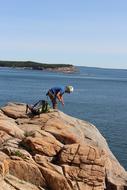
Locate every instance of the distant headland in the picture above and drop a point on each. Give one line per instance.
(66, 68)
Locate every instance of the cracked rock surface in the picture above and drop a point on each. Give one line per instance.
(54, 151)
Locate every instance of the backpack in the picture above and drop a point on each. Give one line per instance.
(42, 106)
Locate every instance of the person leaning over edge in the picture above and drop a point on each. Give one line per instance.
(57, 93)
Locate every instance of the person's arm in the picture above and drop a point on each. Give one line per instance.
(60, 98)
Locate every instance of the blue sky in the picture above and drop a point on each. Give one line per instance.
(78, 32)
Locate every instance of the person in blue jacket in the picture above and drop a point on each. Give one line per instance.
(56, 93)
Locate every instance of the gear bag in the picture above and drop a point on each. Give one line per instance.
(42, 106)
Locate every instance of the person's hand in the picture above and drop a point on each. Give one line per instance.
(62, 103)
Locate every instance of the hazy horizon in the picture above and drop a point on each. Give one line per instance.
(71, 64)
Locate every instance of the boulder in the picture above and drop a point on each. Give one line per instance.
(4, 165)
(3, 137)
(55, 151)
(13, 183)
(15, 110)
(42, 143)
(61, 131)
(26, 171)
(10, 127)
(55, 180)
(83, 163)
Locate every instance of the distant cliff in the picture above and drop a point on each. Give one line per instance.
(38, 66)
(54, 152)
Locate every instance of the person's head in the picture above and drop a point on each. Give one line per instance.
(69, 89)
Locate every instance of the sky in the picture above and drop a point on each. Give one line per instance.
(79, 32)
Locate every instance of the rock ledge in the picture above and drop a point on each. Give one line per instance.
(54, 152)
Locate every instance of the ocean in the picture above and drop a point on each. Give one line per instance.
(100, 97)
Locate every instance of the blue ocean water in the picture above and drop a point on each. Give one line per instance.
(100, 97)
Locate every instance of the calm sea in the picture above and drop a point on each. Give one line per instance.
(100, 97)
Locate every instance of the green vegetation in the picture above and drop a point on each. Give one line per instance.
(28, 133)
(32, 65)
(19, 154)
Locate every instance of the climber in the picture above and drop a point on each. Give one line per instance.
(57, 93)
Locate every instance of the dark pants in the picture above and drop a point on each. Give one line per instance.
(52, 98)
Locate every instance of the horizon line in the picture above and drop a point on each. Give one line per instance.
(45, 62)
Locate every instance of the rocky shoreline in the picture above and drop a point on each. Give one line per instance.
(70, 69)
(64, 68)
(54, 152)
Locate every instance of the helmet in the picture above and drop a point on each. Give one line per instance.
(69, 89)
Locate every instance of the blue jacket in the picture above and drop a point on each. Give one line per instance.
(55, 90)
